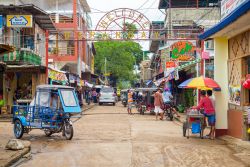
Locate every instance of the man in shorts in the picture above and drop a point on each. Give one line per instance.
(158, 102)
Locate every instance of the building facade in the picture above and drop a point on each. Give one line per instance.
(23, 35)
(232, 53)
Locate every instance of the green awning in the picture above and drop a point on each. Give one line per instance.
(187, 64)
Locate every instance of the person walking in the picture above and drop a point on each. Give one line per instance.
(158, 102)
(130, 101)
(209, 111)
(211, 118)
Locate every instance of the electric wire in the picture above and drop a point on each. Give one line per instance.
(143, 4)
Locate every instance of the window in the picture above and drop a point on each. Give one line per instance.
(106, 90)
(68, 98)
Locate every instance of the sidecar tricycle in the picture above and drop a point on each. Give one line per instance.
(50, 111)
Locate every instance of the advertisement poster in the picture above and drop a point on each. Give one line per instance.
(183, 51)
(234, 94)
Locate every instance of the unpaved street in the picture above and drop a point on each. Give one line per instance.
(107, 136)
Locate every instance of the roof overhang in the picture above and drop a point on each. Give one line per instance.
(41, 17)
(235, 23)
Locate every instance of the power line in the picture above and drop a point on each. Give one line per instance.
(150, 6)
(143, 4)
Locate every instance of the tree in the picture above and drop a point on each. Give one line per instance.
(129, 31)
(121, 57)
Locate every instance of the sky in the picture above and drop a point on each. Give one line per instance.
(148, 7)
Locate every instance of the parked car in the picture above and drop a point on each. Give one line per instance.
(107, 95)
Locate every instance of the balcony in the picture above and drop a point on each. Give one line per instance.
(21, 57)
(62, 53)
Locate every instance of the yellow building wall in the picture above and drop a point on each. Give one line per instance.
(221, 77)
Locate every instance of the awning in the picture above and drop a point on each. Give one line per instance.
(238, 12)
(187, 64)
(25, 68)
(149, 82)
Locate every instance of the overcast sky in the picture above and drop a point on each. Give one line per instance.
(149, 9)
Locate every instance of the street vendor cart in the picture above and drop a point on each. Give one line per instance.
(195, 122)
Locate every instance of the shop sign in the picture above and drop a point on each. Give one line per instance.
(58, 76)
(19, 21)
(171, 64)
(183, 51)
(227, 6)
(234, 94)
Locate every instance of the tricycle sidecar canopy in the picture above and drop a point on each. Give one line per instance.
(52, 87)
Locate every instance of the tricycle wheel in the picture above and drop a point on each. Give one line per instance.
(48, 132)
(68, 131)
(184, 126)
(18, 129)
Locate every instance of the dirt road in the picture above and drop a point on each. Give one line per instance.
(107, 136)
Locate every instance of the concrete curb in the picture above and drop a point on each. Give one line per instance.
(16, 157)
(235, 143)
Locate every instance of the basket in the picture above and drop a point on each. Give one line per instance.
(196, 127)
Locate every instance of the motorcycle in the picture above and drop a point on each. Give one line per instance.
(169, 112)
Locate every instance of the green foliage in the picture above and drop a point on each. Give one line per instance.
(121, 57)
(129, 31)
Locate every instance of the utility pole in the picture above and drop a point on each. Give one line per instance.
(105, 70)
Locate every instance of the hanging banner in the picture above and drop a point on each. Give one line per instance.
(58, 76)
(183, 51)
(24, 21)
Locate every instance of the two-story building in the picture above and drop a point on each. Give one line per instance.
(23, 35)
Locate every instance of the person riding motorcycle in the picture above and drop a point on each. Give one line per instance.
(167, 100)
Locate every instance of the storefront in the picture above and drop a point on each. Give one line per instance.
(22, 80)
(231, 66)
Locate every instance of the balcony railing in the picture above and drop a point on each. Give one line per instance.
(21, 57)
(62, 51)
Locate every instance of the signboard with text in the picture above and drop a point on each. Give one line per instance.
(182, 51)
(24, 21)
